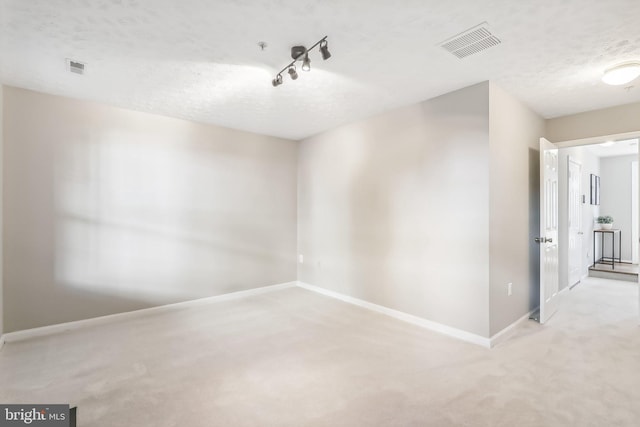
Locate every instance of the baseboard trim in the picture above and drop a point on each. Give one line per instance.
(508, 332)
(409, 318)
(1, 341)
(95, 321)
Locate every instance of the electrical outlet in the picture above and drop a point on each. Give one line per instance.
(301, 259)
(509, 289)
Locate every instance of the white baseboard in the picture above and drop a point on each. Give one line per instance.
(78, 324)
(428, 324)
(507, 332)
(415, 320)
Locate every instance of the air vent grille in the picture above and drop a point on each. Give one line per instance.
(470, 42)
(75, 66)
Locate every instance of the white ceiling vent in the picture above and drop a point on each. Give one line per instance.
(472, 41)
(75, 66)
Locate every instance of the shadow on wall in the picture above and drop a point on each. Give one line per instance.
(157, 217)
(119, 224)
(534, 229)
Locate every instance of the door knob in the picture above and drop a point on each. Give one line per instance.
(543, 240)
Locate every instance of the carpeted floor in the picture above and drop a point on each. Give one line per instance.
(296, 358)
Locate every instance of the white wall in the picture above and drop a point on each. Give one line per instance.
(615, 198)
(109, 210)
(394, 209)
(590, 165)
(515, 133)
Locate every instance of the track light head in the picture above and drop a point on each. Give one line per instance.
(293, 73)
(306, 64)
(277, 81)
(324, 50)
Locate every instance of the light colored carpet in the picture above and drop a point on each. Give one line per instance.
(296, 358)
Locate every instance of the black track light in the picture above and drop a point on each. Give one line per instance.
(324, 50)
(306, 64)
(293, 73)
(301, 53)
(277, 81)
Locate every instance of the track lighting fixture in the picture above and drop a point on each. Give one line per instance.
(293, 73)
(306, 63)
(301, 53)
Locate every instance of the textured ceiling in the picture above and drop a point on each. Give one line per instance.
(199, 59)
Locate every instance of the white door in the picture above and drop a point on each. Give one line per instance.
(548, 239)
(574, 220)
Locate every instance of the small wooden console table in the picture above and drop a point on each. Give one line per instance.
(612, 259)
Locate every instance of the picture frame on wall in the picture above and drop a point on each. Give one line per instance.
(595, 190)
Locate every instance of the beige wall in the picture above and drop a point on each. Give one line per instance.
(608, 121)
(429, 209)
(1, 210)
(108, 210)
(515, 133)
(395, 209)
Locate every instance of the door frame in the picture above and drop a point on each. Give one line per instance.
(635, 222)
(598, 140)
(572, 160)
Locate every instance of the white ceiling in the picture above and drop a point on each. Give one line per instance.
(618, 148)
(199, 59)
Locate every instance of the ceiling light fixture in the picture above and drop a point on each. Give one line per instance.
(277, 81)
(324, 50)
(293, 73)
(301, 53)
(306, 64)
(621, 73)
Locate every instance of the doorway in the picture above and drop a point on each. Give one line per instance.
(569, 197)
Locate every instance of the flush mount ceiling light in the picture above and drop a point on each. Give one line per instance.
(301, 53)
(621, 73)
